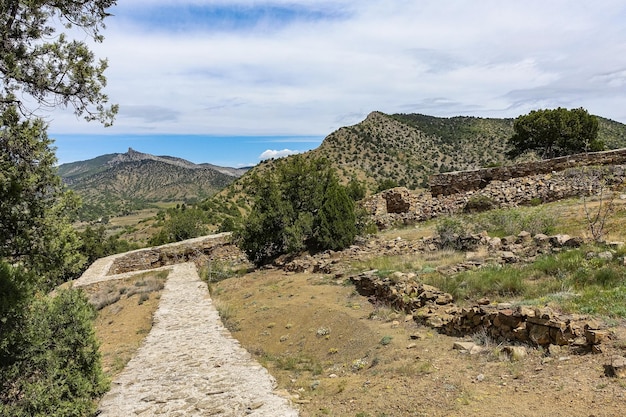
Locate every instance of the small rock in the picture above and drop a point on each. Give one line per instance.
(463, 346)
(595, 337)
(411, 346)
(515, 353)
(617, 368)
(483, 301)
(607, 255)
(480, 377)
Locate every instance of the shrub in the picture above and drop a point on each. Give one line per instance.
(506, 222)
(300, 205)
(386, 184)
(479, 203)
(450, 231)
(52, 365)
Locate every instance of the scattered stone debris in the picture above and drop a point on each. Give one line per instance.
(436, 309)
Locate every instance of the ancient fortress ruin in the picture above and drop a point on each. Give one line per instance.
(509, 186)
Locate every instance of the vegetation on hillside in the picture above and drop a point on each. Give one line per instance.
(555, 132)
(125, 187)
(298, 205)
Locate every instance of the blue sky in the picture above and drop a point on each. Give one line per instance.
(227, 81)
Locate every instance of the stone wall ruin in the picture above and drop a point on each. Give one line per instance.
(463, 181)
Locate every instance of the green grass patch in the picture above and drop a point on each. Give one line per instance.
(599, 301)
(507, 222)
(567, 280)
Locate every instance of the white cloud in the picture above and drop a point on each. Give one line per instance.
(311, 76)
(269, 154)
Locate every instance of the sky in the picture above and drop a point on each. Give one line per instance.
(231, 82)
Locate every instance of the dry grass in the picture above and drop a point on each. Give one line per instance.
(125, 310)
(337, 354)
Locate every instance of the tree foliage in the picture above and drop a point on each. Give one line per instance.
(298, 205)
(49, 360)
(39, 63)
(96, 244)
(182, 223)
(35, 209)
(553, 133)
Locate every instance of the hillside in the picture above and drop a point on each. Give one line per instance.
(409, 147)
(116, 183)
(406, 148)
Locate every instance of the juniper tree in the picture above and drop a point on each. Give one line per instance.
(299, 204)
(555, 132)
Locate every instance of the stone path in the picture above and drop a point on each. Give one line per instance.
(189, 364)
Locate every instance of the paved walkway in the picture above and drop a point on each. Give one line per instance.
(189, 364)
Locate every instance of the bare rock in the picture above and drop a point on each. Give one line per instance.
(617, 367)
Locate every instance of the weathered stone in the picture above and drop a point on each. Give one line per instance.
(483, 301)
(524, 237)
(464, 181)
(508, 257)
(495, 243)
(617, 367)
(595, 337)
(540, 335)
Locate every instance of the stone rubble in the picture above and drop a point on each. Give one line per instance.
(402, 206)
(434, 308)
(461, 181)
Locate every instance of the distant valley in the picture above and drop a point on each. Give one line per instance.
(122, 182)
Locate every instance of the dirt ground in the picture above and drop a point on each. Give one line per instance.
(336, 354)
(126, 316)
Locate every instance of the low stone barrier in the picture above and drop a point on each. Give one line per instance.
(200, 250)
(462, 181)
(436, 309)
(400, 205)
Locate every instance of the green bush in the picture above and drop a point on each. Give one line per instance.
(49, 359)
(479, 203)
(299, 205)
(450, 231)
(386, 184)
(183, 223)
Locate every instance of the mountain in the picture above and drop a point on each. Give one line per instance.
(407, 148)
(117, 183)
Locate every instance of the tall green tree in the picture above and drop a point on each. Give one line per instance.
(335, 226)
(556, 132)
(299, 204)
(49, 361)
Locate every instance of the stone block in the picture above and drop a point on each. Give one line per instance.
(617, 367)
(539, 335)
(596, 337)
